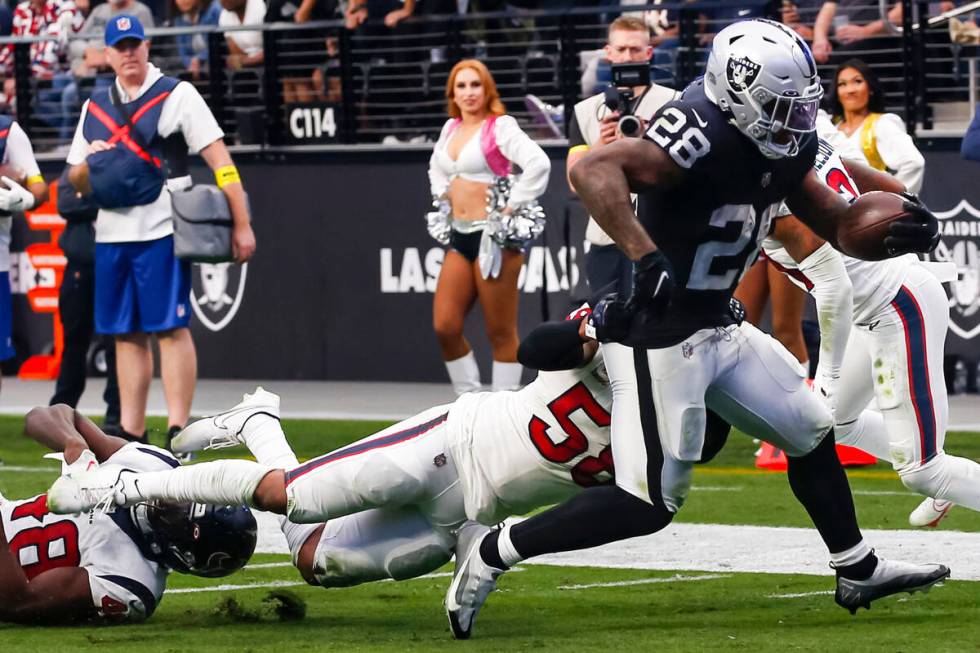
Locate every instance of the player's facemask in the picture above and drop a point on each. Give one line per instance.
(783, 120)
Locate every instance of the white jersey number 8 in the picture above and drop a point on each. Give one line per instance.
(685, 148)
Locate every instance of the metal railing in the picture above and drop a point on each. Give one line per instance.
(321, 82)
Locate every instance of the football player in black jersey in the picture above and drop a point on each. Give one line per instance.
(709, 170)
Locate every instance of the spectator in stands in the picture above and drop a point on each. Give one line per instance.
(37, 18)
(193, 48)
(865, 131)
(141, 290)
(245, 49)
(76, 306)
(391, 12)
(6, 19)
(477, 145)
(850, 21)
(799, 15)
(303, 56)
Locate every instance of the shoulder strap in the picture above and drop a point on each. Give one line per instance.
(121, 108)
(869, 143)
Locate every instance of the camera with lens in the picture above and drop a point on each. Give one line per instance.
(619, 97)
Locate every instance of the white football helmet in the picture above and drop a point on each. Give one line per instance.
(763, 75)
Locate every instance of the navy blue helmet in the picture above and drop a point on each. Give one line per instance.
(198, 539)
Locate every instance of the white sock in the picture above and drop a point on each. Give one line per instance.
(265, 439)
(505, 547)
(464, 374)
(851, 556)
(224, 482)
(506, 376)
(867, 433)
(296, 535)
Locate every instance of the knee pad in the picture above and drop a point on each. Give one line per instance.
(929, 479)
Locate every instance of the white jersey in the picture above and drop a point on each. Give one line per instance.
(875, 283)
(517, 451)
(124, 584)
(20, 155)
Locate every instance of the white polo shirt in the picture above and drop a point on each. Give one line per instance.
(249, 42)
(18, 154)
(184, 110)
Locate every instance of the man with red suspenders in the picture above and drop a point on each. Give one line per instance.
(141, 289)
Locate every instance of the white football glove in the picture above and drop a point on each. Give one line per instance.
(825, 387)
(15, 198)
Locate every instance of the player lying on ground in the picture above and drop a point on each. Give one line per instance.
(56, 569)
(394, 501)
(893, 354)
(708, 171)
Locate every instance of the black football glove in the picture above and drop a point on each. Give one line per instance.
(653, 284)
(609, 320)
(917, 233)
(737, 310)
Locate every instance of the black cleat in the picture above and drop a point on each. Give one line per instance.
(889, 577)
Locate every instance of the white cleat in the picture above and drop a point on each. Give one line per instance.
(889, 577)
(226, 429)
(80, 492)
(472, 583)
(929, 513)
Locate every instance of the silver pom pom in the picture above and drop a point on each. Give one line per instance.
(439, 220)
(514, 229)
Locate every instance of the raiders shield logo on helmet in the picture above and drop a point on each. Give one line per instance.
(960, 245)
(216, 293)
(742, 72)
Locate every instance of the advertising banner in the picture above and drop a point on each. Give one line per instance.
(342, 283)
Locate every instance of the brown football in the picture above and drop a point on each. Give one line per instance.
(864, 235)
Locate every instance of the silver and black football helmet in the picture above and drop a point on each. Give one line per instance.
(762, 75)
(195, 538)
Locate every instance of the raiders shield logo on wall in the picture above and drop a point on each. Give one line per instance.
(960, 244)
(742, 72)
(216, 292)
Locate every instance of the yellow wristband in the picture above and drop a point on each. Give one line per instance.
(35, 179)
(227, 175)
(578, 148)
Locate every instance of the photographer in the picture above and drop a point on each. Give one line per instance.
(621, 111)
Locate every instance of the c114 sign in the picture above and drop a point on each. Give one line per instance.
(312, 123)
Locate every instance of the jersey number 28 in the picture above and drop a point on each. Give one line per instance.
(685, 146)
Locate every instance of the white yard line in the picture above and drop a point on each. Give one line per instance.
(679, 578)
(288, 583)
(799, 595)
(884, 493)
(229, 588)
(719, 548)
(21, 468)
(268, 565)
(717, 488)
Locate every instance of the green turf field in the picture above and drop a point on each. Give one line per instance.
(694, 611)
